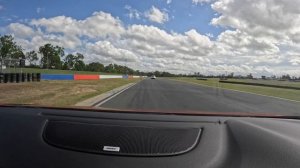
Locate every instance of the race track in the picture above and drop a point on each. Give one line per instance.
(164, 94)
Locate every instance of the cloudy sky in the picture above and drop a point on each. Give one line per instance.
(261, 37)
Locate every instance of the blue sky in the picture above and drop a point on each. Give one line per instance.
(261, 37)
(183, 15)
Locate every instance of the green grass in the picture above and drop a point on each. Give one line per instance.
(54, 71)
(57, 93)
(270, 82)
(268, 91)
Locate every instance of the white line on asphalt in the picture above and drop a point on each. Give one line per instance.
(114, 95)
(238, 91)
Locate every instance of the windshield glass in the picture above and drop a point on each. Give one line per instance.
(213, 56)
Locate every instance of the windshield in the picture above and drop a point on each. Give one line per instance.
(200, 56)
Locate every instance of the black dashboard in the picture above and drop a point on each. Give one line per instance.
(39, 137)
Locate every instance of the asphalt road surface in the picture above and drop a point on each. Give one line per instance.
(164, 94)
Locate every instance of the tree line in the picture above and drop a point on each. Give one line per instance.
(248, 76)
(54, 57)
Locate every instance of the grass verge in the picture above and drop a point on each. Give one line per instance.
(57, 93)
(268, 91)
(268, 82)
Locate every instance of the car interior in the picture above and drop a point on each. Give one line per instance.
(43, 137)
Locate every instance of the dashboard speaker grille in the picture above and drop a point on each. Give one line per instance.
(121, 140)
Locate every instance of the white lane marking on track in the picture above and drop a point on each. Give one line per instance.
(114, 95)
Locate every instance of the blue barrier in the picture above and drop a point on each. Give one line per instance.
(57, 77)
(82, 77)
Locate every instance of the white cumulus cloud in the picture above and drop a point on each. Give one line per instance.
(263, 39)
(21, 30)
(39, 10)
(98, 25)
(201, 1)
(156, 15)
(169, 1)
(133, 13)
(106, 49)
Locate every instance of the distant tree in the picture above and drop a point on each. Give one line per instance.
(115, 68)
(51, 56)
(95, 67)
(167, 74)
(79, 65)
(250, 76)
(231, 75)
(157, 73)
(31, 57)
(71, 60)
(9, 48)
(64, 66)
(273, 77)
(79, 57)
(110, 68)
(286, 77)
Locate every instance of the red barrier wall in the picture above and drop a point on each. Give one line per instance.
(86, 77)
